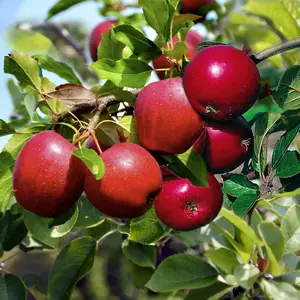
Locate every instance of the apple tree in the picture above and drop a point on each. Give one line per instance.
(196, 172)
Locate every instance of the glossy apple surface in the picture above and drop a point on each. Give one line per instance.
(47, 178)
(191, 6)
(132, 178)
(221, 82)
(192, 40)
(227, 145)
(183, 206)
(165, 120)
(96, 36)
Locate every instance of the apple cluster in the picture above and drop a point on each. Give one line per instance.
(201, 110)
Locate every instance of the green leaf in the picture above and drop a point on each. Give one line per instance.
(206, 44)
(241, 225)
(140, 275)
(180, 49)
(189, 165)
(147, 229)
(89, 215)
(274, 243)
(30, 41)
(102, 230)
(5, 129)
(59, 68)
(73, 262)
(283, 144)
(287, 95)
(278, 12)
(141, 255)
(182, 271)
(128, 127)
(256, 220)
(25, 69)
(216, 256)
(40, 228)
(36, 285)
(62, 5)
(291, 229)
(263, 125)
(282, 291)
(110, 47)
(238, 184)
(123, 73)
(159, 15)
(137, 42)
(62, 229)
(15, 233)
(215, 291)
(31, 102)
(292, 278)
(57, 106)
(12, 288)
(244, 203)
(92, 160)
(246, 275)
(289, 165)
(290, 261)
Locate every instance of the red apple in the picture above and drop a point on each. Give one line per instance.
(96, 36)
(192, 40)
(165, 120)
(200, 143)
(132, 178)
(191, 6)
(227, 145)
(221, 82)
(47, 178)
(183, 206)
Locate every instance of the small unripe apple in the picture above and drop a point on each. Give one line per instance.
(96, 36)
(192, 40)
(227, 145)
(165, 120)
(190, 6)
(221, 82)
(132, 178)
(47, 178)
(183, 206)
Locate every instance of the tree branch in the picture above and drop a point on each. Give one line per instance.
(274, 50)
(100, 104)
(60, 31)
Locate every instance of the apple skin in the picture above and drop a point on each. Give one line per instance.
(227, 145)
(132, 178)
(192, 40)
(221, 82)
(190, 6)
(199, 145)
(165, 120)
(96, 36)
(183, 206)
(47, 178)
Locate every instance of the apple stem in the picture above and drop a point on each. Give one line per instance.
(96, 141)
(82, 137)
(274, 50)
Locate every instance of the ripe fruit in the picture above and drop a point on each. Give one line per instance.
(192, 5)
(96, 36)
(192, 40)
(47, 178)
(132, 178)
(183, 206)
(221, 82)
(227, 145)
(200, 143)
(165, 120)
